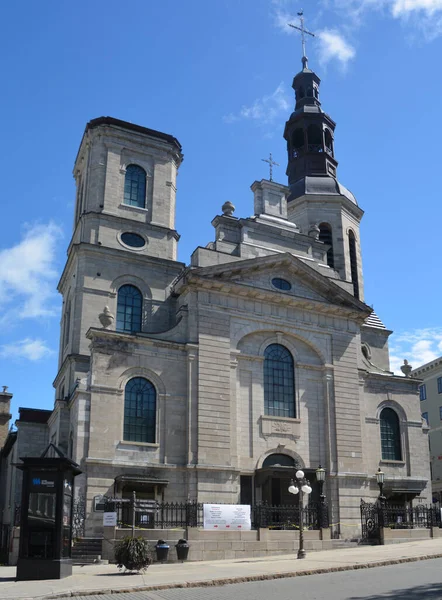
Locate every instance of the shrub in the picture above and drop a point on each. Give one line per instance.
(133, 554)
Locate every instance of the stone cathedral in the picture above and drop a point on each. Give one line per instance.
(214, 381)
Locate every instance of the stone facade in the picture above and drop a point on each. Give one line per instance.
(205, 329)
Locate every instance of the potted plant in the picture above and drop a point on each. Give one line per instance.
(132, 553)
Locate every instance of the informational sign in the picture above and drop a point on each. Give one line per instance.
(227, 517)
(110, 519)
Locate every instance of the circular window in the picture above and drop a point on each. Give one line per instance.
(281, 284)
(133, 239)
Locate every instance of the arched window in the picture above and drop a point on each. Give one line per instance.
(129, 307)
(279, 460)
(298, 141)
(135, 186)
(390, 435)
(301, 93)
(314, 137)
(328, 142)
(353, 263)
(279, 382)
(325, 235)
(140, 406)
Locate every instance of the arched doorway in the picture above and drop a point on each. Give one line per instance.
(276, 473)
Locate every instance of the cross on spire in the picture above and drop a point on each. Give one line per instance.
(303, 31)
(270, 162)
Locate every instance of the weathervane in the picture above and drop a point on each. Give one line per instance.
(270, 162)
(303, 31)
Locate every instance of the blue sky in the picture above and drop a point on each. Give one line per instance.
(217, 75)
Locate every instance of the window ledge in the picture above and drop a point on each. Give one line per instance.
(393, 462)
(136, 208)
(144, 444)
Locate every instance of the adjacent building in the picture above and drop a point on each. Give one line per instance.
(430, 394)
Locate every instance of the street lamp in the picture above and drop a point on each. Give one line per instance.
(300, 485)
(380, 479)
(320, 478)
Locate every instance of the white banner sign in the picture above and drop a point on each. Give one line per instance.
(233, 517)
(110, 519)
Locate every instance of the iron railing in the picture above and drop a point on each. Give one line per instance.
(168, 515)
(416, 517)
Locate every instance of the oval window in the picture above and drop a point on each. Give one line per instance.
(281, 284)
(133, 240)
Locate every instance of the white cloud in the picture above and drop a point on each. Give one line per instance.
(265, 109)
(418, 346)
(424, 15)
(29, 349)
(28, 274)
(332, 45)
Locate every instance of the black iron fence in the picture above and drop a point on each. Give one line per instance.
(168, 515)
(400, 517)
(383, 515)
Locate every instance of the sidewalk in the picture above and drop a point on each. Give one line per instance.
(92, 579)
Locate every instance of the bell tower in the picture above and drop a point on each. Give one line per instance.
(317, 201)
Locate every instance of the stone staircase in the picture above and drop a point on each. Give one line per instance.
(87, 551)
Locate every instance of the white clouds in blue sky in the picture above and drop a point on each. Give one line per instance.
(418, 346)
(264, 110)
(28, 275)
(27, 349)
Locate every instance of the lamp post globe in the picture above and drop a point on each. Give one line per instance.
(300, 485)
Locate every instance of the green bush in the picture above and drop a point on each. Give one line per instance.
(133, 554)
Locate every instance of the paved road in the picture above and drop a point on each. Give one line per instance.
(410, 581)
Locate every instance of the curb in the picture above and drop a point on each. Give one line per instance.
(230, 580)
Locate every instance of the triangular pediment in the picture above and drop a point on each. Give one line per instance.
(257, 274)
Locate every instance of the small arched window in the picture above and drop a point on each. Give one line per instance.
(353, 263)
(390, 435)
(325, 235)
(328, 142)
(279, 382)
(140, 407)
(135, 186)
(301, 93)
(314, 137)
(129, 309)
(309, 92)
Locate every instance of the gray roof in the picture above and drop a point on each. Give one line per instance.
(374, 321)
(325, 185)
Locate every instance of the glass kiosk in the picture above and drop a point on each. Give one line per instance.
(46, 517)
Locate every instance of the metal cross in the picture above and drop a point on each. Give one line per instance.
(271, 162)
(303, 31)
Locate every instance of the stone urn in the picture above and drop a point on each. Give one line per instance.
(313, 231)
(106, 318)
(228, 209)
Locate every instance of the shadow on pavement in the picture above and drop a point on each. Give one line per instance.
(3, 579)
(431, 591)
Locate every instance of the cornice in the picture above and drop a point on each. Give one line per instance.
(269, 296)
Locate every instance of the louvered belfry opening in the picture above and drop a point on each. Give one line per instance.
(325, 235)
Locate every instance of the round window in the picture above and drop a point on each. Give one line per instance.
(133, 239)
(281, 284)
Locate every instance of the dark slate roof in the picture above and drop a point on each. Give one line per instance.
(132, 127)
(34, 415)
(374, 321)
(327, 186)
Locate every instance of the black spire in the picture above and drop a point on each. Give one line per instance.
(309, 133)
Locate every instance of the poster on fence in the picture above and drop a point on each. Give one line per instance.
(227, 517)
